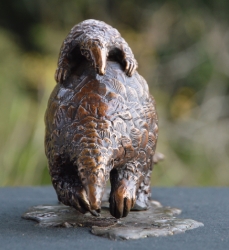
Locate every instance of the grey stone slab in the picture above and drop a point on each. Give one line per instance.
(208, 205)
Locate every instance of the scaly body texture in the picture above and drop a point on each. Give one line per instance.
(100, 127)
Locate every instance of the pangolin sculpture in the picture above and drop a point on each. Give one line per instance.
(101, 123)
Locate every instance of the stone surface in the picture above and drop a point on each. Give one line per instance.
(157, 221)
(208, 205)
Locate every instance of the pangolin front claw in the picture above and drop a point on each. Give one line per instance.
(122, 199)
(61, 74)
(80, 202)
(131, 66)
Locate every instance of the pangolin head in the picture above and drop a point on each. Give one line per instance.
(95, 50)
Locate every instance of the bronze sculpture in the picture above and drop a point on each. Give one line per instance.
(101, 123)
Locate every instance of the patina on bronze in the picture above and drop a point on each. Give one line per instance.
(101, 123)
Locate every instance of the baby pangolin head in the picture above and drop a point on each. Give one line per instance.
(95, 50)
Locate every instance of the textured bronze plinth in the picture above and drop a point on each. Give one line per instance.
(101, 123)
(156, 221)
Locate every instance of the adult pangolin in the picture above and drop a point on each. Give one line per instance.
(100, 122)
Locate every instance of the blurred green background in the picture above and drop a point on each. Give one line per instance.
(183, 52)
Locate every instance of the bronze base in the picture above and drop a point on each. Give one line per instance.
(156, 221)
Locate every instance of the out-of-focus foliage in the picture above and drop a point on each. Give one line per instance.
(183, 52)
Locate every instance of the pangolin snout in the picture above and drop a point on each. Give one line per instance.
(99, 57)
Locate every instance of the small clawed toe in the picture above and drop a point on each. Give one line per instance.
(131, 66)
(121, 203)
(61, 74)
